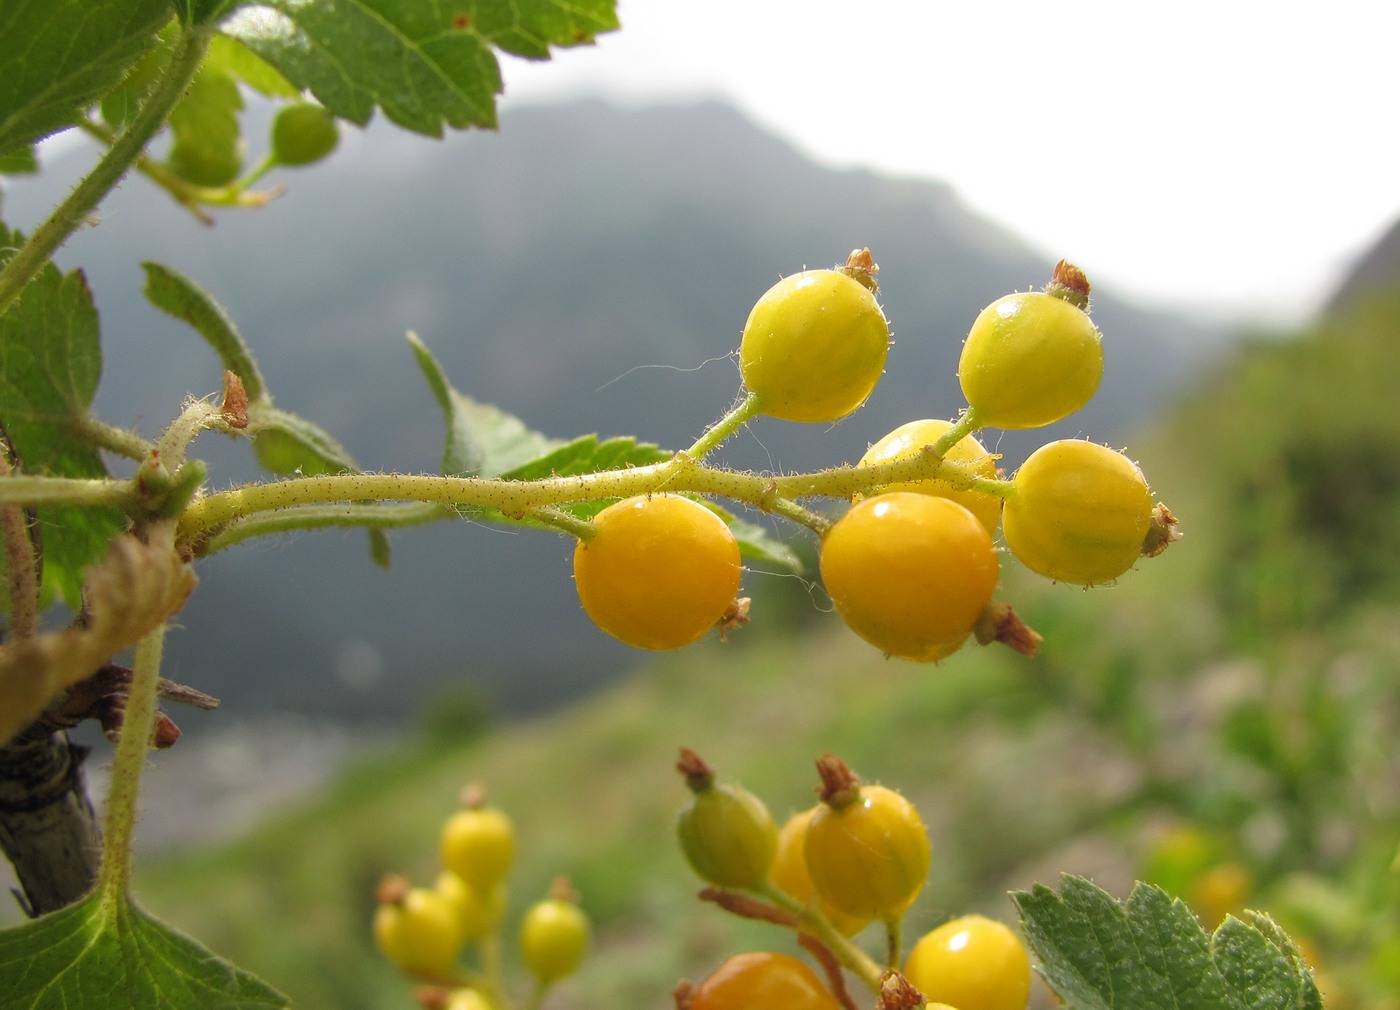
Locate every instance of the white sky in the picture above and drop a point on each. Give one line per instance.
(1223, 155)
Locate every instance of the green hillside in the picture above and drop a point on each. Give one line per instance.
(1237, 693)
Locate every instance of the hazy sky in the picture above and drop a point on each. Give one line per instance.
(1232, 156)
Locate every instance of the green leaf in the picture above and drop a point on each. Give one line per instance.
(231, 57)
(425, 63)
(61, 55)
(1150, 953)
(173, 292)
(103, 954)
(20, 162)
(287, 443)
(758, 544)
(482, 440)
(52, 358)
(586, 454)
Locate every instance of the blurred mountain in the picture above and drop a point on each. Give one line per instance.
(588, 268)
(1377, 271)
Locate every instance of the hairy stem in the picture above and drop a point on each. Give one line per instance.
(727, 425)
(126, 148)
(679, 474)
(128, 762)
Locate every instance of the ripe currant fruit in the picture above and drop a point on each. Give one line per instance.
(1032, 358)
(789, 873)
(659, 571)
(416, 928)
(479, 910)
(972, 963)
(814, 344)
(910, 573)
(554, 936)
(761, 980)
(866, 846)
(1078, 512)
(477, 842)
(908, 439)
(726, 832)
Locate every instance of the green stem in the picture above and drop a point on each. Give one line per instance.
(127, 764)
(125, 149)
(965, 425)
(894, 940)
(743, 412)
(21, 561)
(113, 439)
(25, 489)
(814, 521)
(175, 440)
(679, 474)
(817, 925)
(311, 517)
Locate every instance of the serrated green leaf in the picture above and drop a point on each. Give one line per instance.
(61, 55)
(482, 440)
(174, 293)
(425, 63)
(50, 362)
(102, 954)
(586, 454)
(1150, 953)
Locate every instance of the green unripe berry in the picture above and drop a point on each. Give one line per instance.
(303, 133)
(726, 833)
(204, 165)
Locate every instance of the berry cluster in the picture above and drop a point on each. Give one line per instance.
(914, 562)
(859, 856)
(425, 931)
